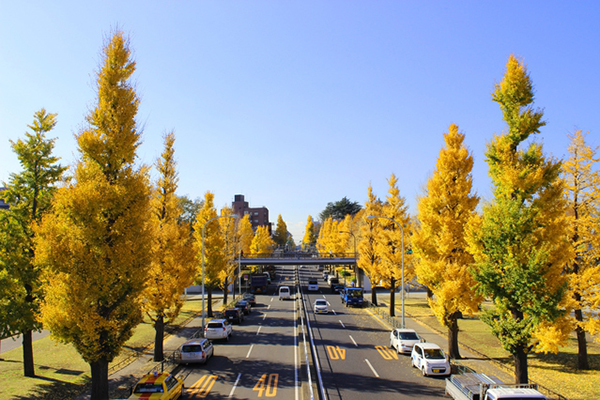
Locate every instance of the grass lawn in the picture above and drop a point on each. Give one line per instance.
(60, 371)
(557, 372)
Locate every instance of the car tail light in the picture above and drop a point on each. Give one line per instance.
(224, 329)
(203, 354)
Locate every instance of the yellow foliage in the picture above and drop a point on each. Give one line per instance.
(442, 259)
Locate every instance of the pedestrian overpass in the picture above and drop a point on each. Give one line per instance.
(298, 258)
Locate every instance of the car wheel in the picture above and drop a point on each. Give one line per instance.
(391, 344)
(424, 370)
(412, 362)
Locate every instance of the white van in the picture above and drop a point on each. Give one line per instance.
(284, 293)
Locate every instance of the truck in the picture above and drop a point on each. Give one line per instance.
(258, 283)
(474, 386)
(352, 296)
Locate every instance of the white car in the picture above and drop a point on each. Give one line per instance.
(403, 340)
(195, 351)
(284, 293)
(218, 329)
(320, 306)
(430, 359)
(313, 286)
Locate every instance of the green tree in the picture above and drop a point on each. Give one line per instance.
(96, 242)
(281, 233)
(189, 210)
(442, 260)
(309, 239)
(172, 263)
(582, 180)
(519, 242)
(29, 194)
(340, 209)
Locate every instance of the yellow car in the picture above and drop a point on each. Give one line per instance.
(158, 386)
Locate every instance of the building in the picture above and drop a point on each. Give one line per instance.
(258, 216)
(3, 204)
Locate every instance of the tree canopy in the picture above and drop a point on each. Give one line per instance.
(340, 209)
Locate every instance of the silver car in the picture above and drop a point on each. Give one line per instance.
(320, 306)
(195, 351)
(218, 329)
(403, 340)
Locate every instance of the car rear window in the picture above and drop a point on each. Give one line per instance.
(214, 325)
(149, 388)
(313, 283)
(192, 348)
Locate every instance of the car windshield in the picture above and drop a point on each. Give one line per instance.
(434, 354)
(355, 293)
(214, 325)
(148, 388)
(321, 302)
(408, 336)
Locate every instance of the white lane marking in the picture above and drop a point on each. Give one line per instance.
(249, 351)
(333, 311)
(353, 341)
(296, 349)
(264, 316)
(259, 328)
(272, 298)
(268, 307)
(343, 326)
(235, 385)
(372, 369)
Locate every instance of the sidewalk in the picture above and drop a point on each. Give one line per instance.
(125, 376)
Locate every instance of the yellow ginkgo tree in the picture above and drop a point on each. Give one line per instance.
(582, 180)
(95, 245)
(442, 261)
(172, 263)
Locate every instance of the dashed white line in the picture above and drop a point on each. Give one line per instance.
(372, 369)
(343, 326)
(258, 331)
(235, 385)
(249, 351)
(353, 341)
(264, 316)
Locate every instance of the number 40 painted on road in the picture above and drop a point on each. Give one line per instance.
(267, 385)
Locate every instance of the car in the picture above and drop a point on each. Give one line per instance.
(195, 351)
(313, 286)
(285, 293)
(244, 306)
(430, 359)
(234, 315)
(333, 282)
(157, 385)
(218, 329)
(320, 306)
(403, 340)
(250, 298)
(338, 288)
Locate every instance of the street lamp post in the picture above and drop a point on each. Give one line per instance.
(402, 230)
(203, 274)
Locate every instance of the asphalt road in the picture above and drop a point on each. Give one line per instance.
(260, 360)
(354, 354)
(266, 357)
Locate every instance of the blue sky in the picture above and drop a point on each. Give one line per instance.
(299, 103)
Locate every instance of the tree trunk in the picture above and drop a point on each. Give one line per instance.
(99, 380)
(28, 367)
(393, 298)
(374, 296)
(429, 294)
(209, 310)
(225, 291)
(159, 328)
(582, 355)
(453, 336)
(520, 359)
